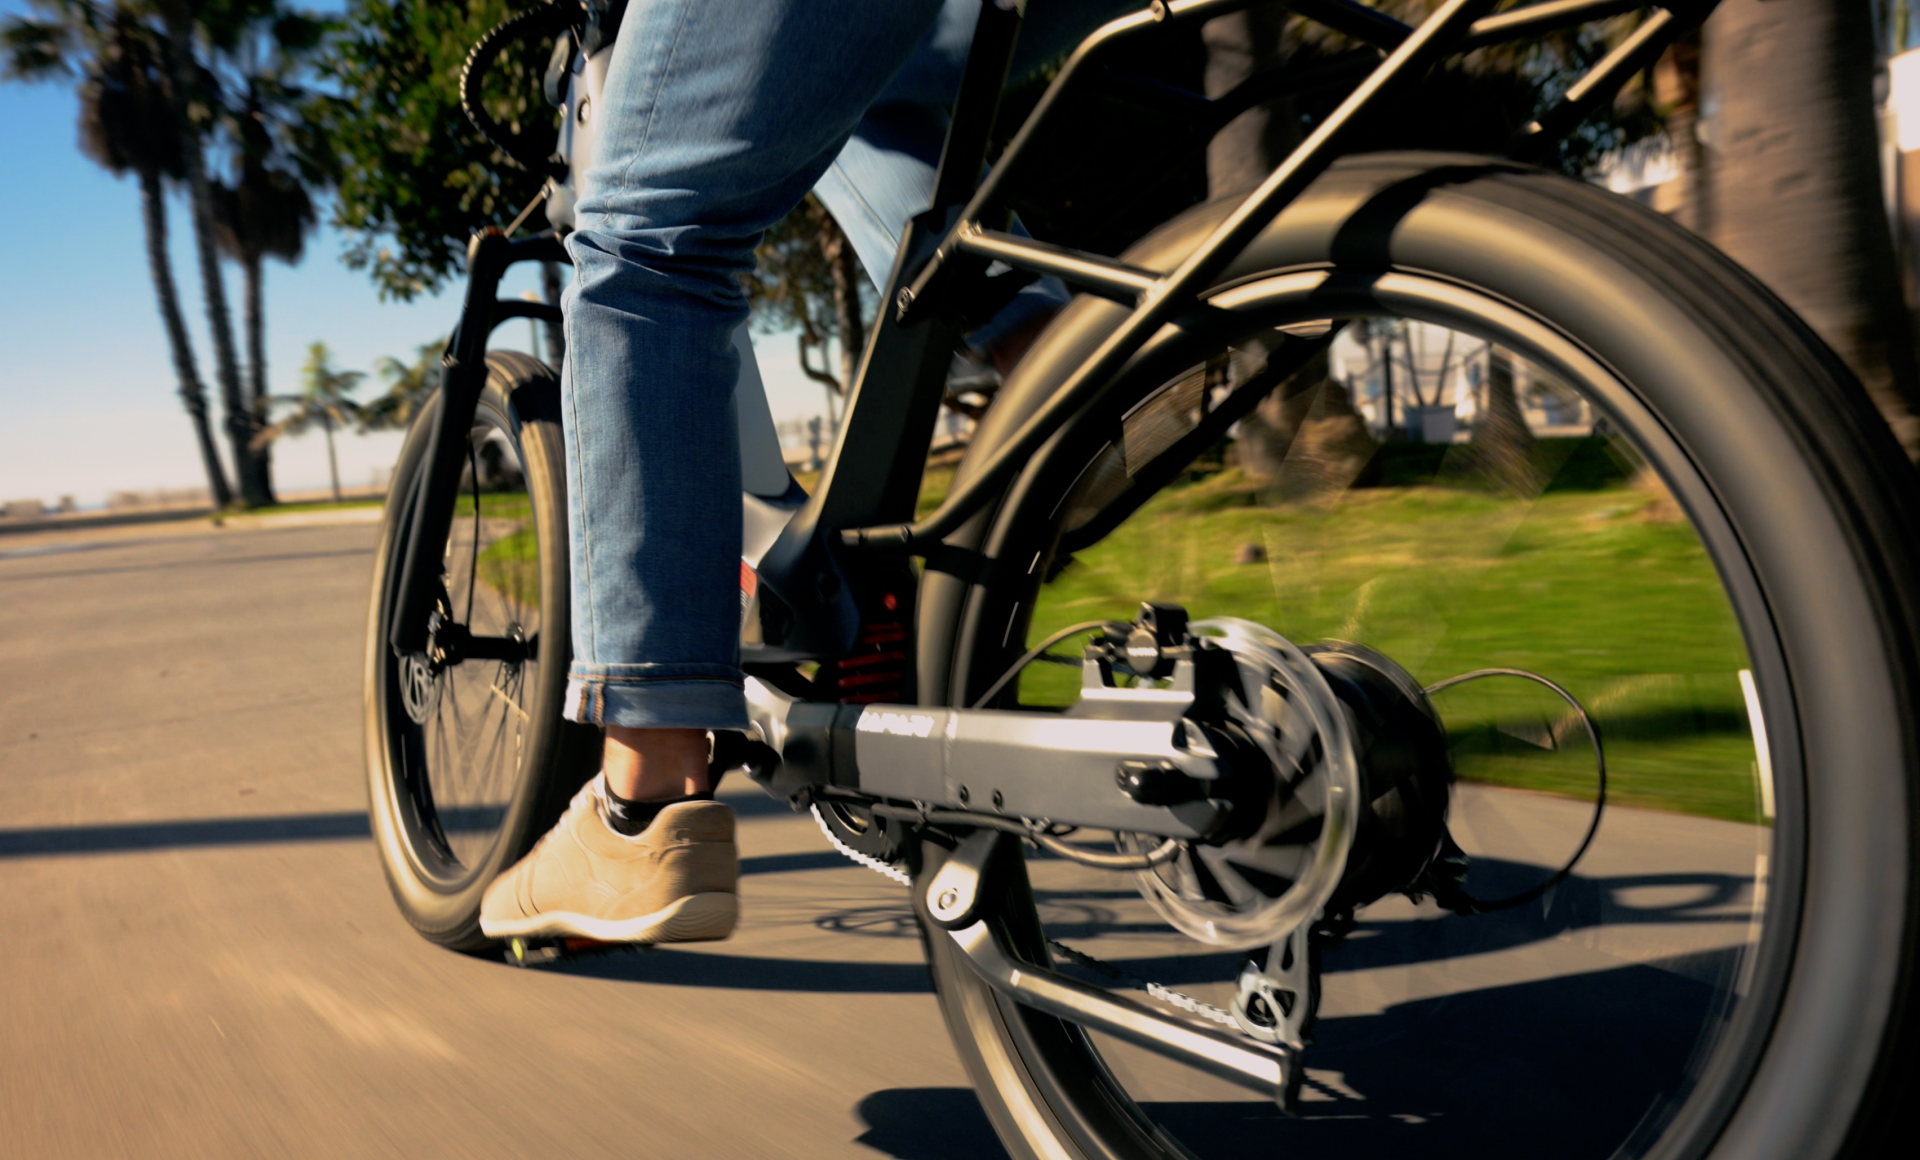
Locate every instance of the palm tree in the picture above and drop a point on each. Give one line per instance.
(409, 386)
(1502, 447)
(127, 124)
(1796, 182)
(267, 211)
(266, 214)
(1678, 94)
(195, 92)
(323, 399)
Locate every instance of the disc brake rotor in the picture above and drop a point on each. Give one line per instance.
(421, 673)
(419, 687)
(1255, 889)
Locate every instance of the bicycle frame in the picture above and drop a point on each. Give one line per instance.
(844, 550)
(836, 579)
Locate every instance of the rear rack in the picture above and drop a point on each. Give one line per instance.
(1399, 56)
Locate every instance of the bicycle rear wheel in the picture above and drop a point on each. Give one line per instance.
(1709, 550)
(468, 758)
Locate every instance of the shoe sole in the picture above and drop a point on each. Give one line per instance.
(695, 918)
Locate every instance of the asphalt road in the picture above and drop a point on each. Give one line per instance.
(205, 961)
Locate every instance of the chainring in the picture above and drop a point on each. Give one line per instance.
(857, 829)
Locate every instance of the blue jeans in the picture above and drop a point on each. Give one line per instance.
(718, 116)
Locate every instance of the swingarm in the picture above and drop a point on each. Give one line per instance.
(1136, 760)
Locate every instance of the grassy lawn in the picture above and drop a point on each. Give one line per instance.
(1577, 586)
(510, 564)
(502, 505)
(281, 509)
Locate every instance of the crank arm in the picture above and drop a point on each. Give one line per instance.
(1273, 1070)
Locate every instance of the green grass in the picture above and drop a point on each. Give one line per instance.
(1577, 586)
(511, 563)
(934, 486)
(502, 505)
(511, 566)
(280, 509)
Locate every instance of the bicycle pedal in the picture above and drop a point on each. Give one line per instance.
(526, 952)
(574, 948)
(522, 952)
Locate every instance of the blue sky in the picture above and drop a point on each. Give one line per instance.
(85, 376)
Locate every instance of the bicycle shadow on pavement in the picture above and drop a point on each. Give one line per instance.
(1577, 904)
(944, 1123)
(676, 968)
(1565, 1067)
(1580, 903)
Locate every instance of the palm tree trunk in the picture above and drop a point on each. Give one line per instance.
(1502, 445)
(333, 464)
(256, 395)
(556, 334)
(153, 209)
(178, 45)
(1242, 153)
(1240, 45)
(1386, 382)
(1676, 85)
(1796, 185)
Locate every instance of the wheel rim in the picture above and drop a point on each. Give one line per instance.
(462, 725)
(1698, 922)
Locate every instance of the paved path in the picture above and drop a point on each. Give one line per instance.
(206, 963)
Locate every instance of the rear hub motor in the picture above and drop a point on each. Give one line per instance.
(1338, 779)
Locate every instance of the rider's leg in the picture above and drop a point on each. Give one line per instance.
(716, 119)
(885, 173)
(876, 182)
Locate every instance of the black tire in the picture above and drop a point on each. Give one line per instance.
(1793, 484)
(457, 797)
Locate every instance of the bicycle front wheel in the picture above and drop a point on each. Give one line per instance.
(468, 758)
(1606, 457)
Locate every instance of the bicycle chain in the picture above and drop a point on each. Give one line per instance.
(1165, 994)
(1154, 990)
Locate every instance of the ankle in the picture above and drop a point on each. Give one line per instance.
(648, 765)
(628, 818)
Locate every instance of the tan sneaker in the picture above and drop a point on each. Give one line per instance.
(676, 881)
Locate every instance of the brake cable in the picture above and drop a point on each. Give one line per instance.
(1034, 653)
(1452, 895)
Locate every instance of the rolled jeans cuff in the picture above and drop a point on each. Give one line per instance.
(684, 696)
